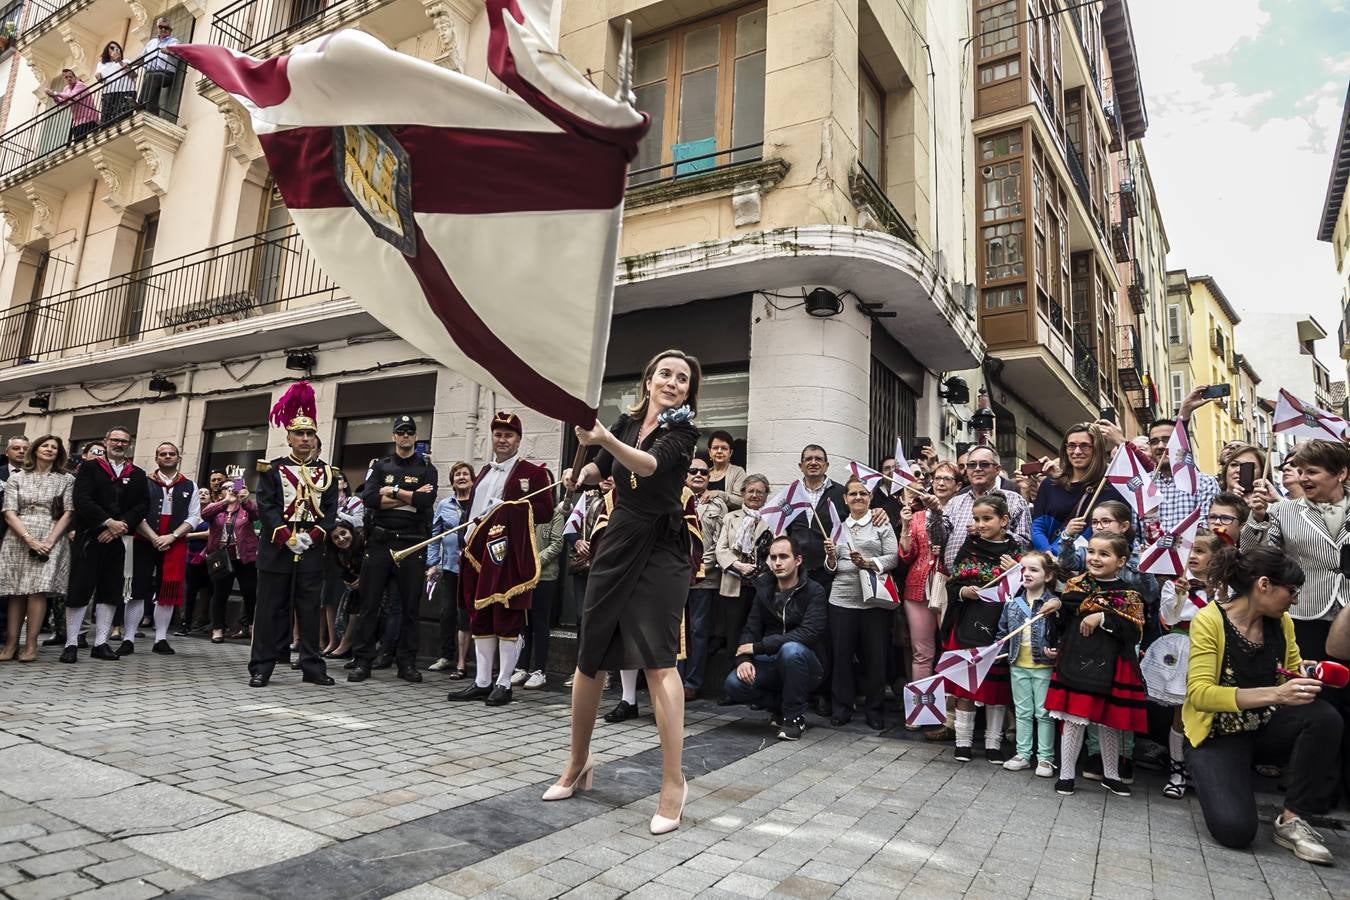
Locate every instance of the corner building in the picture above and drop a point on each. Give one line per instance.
(794, 219)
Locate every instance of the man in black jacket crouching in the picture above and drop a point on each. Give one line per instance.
(777, 666)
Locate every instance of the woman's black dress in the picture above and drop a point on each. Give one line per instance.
(639, 581)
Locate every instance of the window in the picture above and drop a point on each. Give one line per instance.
(703, 86)
(1178, 390)
(871, 124)
(1174, 325)
(137, 298)
(996, 25)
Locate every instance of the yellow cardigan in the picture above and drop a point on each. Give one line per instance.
(1204, 695)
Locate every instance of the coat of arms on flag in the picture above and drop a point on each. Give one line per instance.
(1182, 460)
(926, 701)
(1169, 553)
(783, 507)
(480, 226)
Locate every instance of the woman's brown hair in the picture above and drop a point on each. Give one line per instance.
(695, 377)
(30, 458)
(1096, 468)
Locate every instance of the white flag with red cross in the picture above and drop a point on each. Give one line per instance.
(1169, 553)
(577, 517)
(1301, 419)
(967, 669)
(903, 473)
(1005, 587)
(1185, 475)
(1129, 475)
(786, 505)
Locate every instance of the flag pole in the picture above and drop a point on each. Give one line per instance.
(400, 555)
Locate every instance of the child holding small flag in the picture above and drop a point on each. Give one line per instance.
(972, 622)
(1165, 664)
(1097, 678)
(1031, 653)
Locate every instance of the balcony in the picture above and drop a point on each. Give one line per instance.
(1129, 363)
(56, 33)
(1129, 200)
(1077, 175)
(269, 27)
(1144, 401)
(1085, 368)
(266, 287)
(1114, 129)
(123, 137)
(1122, 242)
(1343, 340)
(1040, 366)
(1137, 289)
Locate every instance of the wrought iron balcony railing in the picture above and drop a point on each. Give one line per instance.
(1085, 368)
(153, 86)
(251, 276)
(248, 24)
(39, 11)
(1129, 365)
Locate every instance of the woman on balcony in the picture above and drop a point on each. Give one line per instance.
(119, 84)
(35, 555)
(76, 95)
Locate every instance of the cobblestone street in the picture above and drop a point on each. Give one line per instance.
(163, 774)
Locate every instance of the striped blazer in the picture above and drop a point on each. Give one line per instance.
(1297, 528)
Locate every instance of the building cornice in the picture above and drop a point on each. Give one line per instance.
(1340, 177)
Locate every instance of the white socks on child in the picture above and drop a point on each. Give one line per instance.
(485, 651)
(628, 679)
(994, 717)
(163, 616)
(131, 620)
(965, 727)
(510, 653)
(1070, 745)
(103, 616)
(1109, 741)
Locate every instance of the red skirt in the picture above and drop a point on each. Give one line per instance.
(995, 690)
(1124, 708)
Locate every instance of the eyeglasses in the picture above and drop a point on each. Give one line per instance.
(1103, 523)
(1077, 446)
(1155, 441)
(164, 27)
(982, 464)
(937, 478)
(1221, 519)
(1294, 590)
(702, 472)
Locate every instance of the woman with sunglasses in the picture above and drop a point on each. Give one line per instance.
(118, 82)
(1245, 699)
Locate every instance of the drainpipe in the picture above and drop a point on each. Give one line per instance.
(471, 421)
(183, 403)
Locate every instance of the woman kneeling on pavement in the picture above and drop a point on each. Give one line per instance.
(1243, 703)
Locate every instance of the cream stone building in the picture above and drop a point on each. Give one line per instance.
(796, 218)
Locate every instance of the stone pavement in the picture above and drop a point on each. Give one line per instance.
(162, 774)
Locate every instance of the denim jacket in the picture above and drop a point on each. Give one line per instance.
(1015, 614)
(445, 552)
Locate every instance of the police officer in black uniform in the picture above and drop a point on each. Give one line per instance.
(399, 496)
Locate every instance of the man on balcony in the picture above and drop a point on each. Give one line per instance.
(160, 67)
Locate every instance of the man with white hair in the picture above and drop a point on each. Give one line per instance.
(160, 67)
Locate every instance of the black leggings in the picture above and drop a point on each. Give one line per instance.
(1221, 768)
(247, 576)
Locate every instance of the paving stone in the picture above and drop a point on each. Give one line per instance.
(134, 889)
(66, 884)
(232, 844)
(51, 863)
(805, 888)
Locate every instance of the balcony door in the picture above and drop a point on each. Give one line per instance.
(269, 260)
(139, 288)
(27, 331)
(53, 132)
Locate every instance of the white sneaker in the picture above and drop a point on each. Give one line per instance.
(518, 677)
(536, 680)
(1045, 769)
(567, 683)
(1016, 764)
(441, 665)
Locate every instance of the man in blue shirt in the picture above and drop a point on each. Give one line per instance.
(443, 567)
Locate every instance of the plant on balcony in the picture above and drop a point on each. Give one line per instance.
(8, 31)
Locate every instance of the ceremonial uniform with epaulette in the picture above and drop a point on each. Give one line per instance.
(297, 500)
(399, 495)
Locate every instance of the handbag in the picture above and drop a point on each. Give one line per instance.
(878, 589)
(218, 564)
(935, 589)
(1087, 664)
(978, 625)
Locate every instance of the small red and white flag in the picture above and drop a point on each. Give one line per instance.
(1182, 460)
(903, 473)
(1129, 475)
(783, 507)
(480, 226)
(1169, 553)
(967, 669)
(926, 701)
(870, 477)
(577, 517)
(839, 535)
(1300, 419)
(1005, 587)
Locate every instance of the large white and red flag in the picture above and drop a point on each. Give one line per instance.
(902, 472)
(1129, 475)
(967, 669)
(1169, 553)
(1300, 419)
(926, 701)
(1182, 460)
(783, 507)
(480, 226)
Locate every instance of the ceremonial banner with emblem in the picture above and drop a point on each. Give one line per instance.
(1299, 419)
(500, 558)
(478, 225)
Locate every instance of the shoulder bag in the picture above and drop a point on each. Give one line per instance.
(878, 589)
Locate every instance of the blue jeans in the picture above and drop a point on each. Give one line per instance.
(782, 681)
(699, 611)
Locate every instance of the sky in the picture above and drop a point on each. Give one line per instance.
(1244, 103)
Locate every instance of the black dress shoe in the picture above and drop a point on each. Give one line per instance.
(840, 721)
(126, 649)
(382, 661)
(876, 722)
(322, 679)
(358, 673)
(55, 640)
(408, 673)
(472, 692)
(295, 665)
(103, 651)
(351, 664)
(183, 631)
(70, 655)
(257, 681)
(622, 712)
(162, 647)
(500, 696)
(822, 707)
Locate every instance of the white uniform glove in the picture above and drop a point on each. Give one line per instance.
(301, 541)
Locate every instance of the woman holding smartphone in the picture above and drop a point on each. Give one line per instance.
(1244, 474)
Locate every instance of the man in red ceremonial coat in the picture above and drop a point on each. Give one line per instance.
(500, 624)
